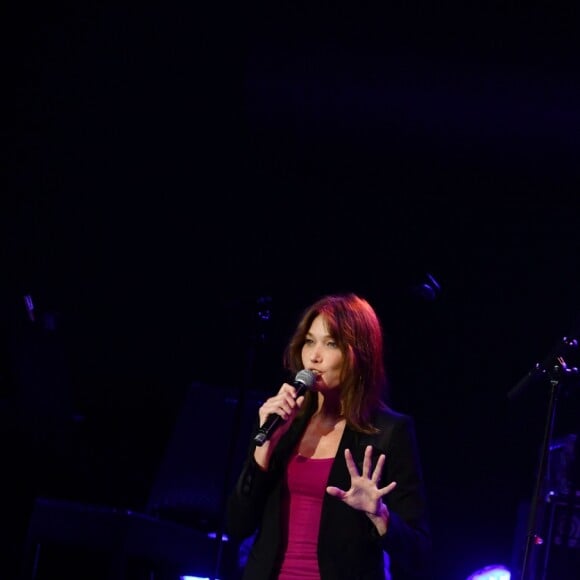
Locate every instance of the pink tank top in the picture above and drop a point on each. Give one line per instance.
(306, 481)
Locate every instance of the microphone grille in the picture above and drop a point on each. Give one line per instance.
(308, 378)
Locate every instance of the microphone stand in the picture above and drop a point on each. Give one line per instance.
(557, 370)
(263, 316)
(533, 537)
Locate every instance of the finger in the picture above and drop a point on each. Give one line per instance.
(350, 464)
(335, 492)
(277, 406)
(388, 488)
(284, 409)
(367, 462)
(378, 469)
(287, 388)
(285, 405)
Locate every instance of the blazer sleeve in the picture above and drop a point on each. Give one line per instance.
(408, 537)
(246, 502)
(257, 490)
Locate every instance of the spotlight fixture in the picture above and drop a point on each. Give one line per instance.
(427, 290)
(492, 572)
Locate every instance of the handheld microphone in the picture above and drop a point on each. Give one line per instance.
(304, 380)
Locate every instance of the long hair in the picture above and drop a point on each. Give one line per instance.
(356, 328)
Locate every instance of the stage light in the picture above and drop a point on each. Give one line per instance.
(213, 536)
(493, 572)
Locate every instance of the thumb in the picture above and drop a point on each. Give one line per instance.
(335, 492)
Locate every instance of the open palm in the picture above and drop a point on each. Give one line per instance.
(364, 493)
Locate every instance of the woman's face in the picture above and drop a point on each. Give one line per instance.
(321, 354)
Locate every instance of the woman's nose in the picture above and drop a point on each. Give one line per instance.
(315, 355)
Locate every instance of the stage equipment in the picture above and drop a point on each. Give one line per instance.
(552, 532)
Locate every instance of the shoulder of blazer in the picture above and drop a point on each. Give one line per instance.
(386, 420)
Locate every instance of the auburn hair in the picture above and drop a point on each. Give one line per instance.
(354, 325)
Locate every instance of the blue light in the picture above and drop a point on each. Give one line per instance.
(494, 572)
(213, 536)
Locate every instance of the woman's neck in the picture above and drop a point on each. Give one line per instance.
(329, 409)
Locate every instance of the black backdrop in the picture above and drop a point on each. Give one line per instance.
(173, 168)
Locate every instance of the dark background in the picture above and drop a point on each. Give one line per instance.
(175, 170)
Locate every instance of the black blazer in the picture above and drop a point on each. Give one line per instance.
(349, 546)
